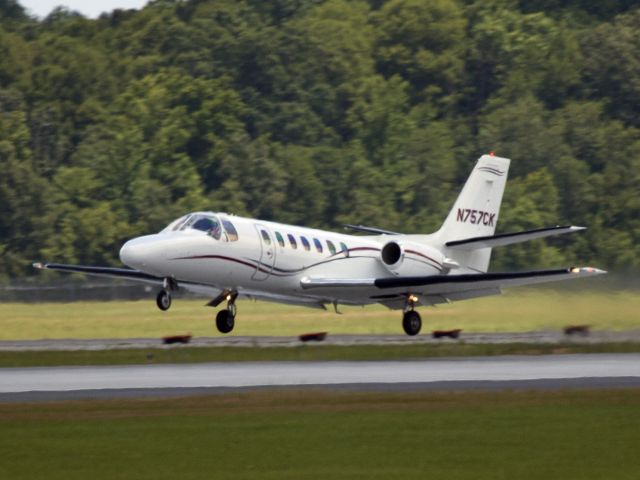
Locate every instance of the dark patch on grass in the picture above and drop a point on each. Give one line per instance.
(301, 353)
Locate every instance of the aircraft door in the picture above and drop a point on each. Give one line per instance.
(267, 253)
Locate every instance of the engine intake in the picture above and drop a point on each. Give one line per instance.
(411, 259)
(392, 254)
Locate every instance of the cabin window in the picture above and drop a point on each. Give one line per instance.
(305, 243)
(265, 237)
(292, 241)
(331, 247)
(280, 239)
(318, 245)
(232, 233)
(344, 249)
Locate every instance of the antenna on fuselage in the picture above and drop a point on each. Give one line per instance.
(374, 230)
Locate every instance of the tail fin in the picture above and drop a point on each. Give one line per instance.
(476, 210)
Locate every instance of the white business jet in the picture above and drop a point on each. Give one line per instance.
(226, 257)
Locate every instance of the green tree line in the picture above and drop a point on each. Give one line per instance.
(318, 113)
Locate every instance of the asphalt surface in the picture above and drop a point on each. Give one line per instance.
(549, 337)
(507, 372)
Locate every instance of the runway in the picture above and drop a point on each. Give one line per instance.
(549, 371)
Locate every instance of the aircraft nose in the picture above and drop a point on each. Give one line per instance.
(133, 253)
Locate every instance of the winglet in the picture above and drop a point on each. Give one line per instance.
(587, 271)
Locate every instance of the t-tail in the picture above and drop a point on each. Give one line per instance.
(476, 211)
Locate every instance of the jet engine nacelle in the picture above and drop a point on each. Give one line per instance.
(411, 259)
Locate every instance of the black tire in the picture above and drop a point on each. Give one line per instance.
(225, 321)
(411, 322)
(163, 300)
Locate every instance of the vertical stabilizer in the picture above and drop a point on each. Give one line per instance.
(476, 211)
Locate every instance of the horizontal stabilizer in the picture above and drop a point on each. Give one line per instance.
(509, 238)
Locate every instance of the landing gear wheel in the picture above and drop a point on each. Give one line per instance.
(163, 300)
(225, 320)
(411, 322)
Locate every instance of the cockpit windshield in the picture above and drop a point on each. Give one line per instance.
(197, 221)
(205, 222)
(176, 224)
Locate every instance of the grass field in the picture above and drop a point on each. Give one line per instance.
(518, 310)
(320, 434)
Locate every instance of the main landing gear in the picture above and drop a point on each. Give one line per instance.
(411, 321)
(225, 319)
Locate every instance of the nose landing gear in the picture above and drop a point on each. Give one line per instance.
(163, 300)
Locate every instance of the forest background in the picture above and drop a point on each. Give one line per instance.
(319, 113)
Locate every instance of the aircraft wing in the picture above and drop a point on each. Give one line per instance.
(127, 274)
(297, 300)
(454, 284)
(198, 288)
(510, 238)
(123, 273)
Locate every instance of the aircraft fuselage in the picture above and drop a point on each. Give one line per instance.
(271, 257)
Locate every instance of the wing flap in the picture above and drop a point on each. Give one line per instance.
(503, 239)
(468, 294)
(322, 282)
(286, 299)
(399, 300)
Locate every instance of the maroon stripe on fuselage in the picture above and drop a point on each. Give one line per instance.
(258, 267)
(217, 257)
(438, 265)
(349, 250)
(364, 248)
